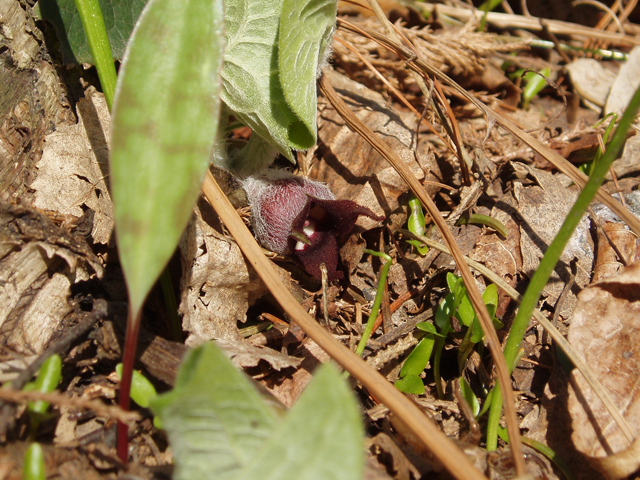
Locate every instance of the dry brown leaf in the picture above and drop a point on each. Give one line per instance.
(592, 80)
(217, 286)
(543, 208)
(350, 166)
(625, 84)
(245, 355)
(606, 329)
(39, 262)
(73, 169)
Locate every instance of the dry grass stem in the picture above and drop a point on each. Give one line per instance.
(100, 409)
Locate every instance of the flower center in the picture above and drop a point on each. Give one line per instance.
(308, 230)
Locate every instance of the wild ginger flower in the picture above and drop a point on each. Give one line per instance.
(301, 218)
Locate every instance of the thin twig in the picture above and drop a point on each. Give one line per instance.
(55, 398)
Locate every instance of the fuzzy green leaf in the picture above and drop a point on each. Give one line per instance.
(120, 16)
(250, 80)
(305, 32)
(321, 437)
(215, 418)
(164, 124)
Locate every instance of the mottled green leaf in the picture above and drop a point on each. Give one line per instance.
(215, 418)
(164, 123)
(120, 16)
(306, 27)
(322, 437)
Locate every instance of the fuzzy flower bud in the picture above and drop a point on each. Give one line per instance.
(301, 218)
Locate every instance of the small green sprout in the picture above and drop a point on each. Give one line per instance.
(142, 391)
(47, 380)
(534, 82)
(457, 304)
(368, 330)
(33, 464)
(416, 224)
(478, 219)
(416, 362)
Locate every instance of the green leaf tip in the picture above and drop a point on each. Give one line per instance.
(164, 124)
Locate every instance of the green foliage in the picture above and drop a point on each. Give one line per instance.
(164, 123)
(534, 82)
(469, 396)
(588, 167)
(457, 304)
(47, 380)
(304, 36)
(416, 224)
(219, 425)
(142, 390)
(120, 16)
(416, 362)
(33, 465)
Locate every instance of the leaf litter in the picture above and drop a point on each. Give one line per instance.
(221, 296)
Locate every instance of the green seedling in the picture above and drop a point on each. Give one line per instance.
(533, 82)
(142, 391)
(47, 380)
(416, 362)
(416, 224)
(368, 330)
(33, 464)
(487, 221)
(457, 304)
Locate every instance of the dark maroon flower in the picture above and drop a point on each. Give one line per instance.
(301, 218)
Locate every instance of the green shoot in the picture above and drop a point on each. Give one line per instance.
(98, 40)
(534, 83)
(47, 380)
(477, 219)
(416, 224)
(376, 302)
(457, 304)
(33, 465)
(552, 255)
(416, 362)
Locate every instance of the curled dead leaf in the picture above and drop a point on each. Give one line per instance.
(606, 329)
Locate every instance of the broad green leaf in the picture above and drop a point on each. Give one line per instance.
(47, 380)
(477, 333)
(490, 295)
(322, 437)
(418, 359)
(306, 27)
(164, 124)
(215, 418)
(251, 85)
(410, 384)
(469, 396)
(120, 16)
